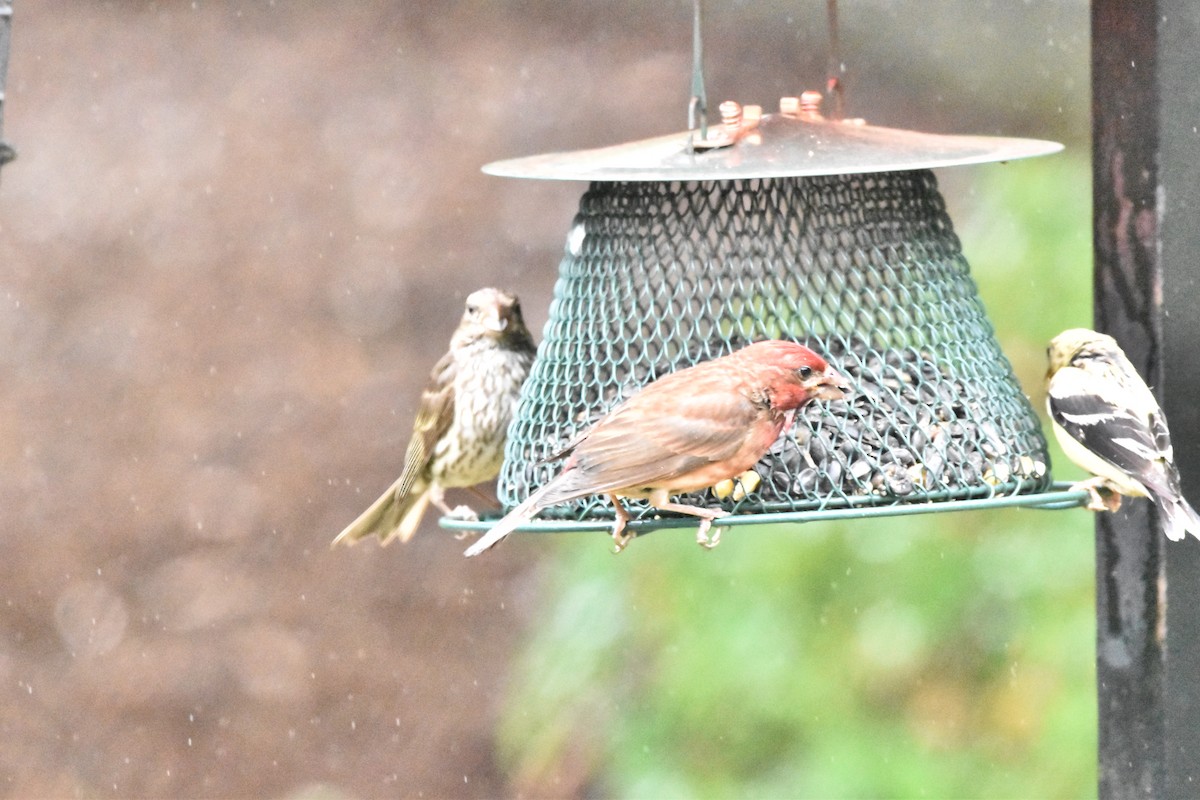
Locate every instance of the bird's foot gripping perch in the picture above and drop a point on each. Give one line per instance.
(465, 513)
(1100, 494)
(622, 537)
(702, 537)
(706, 515)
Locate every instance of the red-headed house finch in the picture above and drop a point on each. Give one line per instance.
(686, 431)
(459, 433)
(1108, 422)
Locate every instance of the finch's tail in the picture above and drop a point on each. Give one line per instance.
(513, 519)
(1180, 518)
(389, 517)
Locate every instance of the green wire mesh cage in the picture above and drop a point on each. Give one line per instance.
(866, 269)
(788, 225)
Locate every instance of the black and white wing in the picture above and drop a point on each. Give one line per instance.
(1112, 420)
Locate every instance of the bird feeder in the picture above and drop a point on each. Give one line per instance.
(784, 226)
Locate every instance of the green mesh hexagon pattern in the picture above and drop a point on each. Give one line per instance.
(865, 269)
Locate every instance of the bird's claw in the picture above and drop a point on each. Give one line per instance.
(1109, 500)
(1100, 497)
(621, 540)
(702, 537)
(464, 513)
(620, 534)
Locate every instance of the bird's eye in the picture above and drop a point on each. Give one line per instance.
(805, 372)
(472, 310)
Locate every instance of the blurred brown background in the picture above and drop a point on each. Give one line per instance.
(236, 238)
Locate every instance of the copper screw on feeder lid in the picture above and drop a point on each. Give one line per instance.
(731, 116)
(738, 118)
(810, 104)
(807, 105)
(736, 122)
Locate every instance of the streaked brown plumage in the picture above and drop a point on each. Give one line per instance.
(686, 431)
(458, 436)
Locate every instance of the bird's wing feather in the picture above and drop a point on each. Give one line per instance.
(660, 435)
(1085, 407)
(434, 416)
(1162, 437)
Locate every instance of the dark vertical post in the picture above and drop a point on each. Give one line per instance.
(1146, 171)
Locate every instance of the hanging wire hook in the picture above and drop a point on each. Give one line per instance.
(833, 82)
(698, 105)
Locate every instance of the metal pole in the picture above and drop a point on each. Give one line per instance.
(1146, 192)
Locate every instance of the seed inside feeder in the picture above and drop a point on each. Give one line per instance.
(865, 269)
(868, 443)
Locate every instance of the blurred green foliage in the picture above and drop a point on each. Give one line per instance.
(943, 655)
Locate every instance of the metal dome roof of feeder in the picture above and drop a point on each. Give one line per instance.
(772, 146)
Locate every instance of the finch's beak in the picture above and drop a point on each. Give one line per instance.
(497, 323)
(829, 385)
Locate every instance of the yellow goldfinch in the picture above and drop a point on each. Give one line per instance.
(1108, 422)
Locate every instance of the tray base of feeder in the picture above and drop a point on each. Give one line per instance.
(1059, 496)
